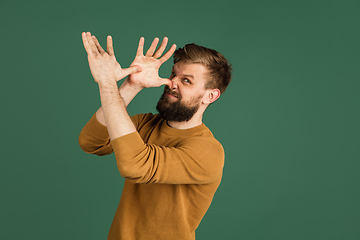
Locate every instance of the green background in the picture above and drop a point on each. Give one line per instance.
(289, 121)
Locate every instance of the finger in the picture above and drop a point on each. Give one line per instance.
(140, 47)
(168, 54)
(86, 43)
(166, 81)
(93, 48)
(110, 49)
(97, 44)
(152, 48)
(161, 49)
(131, 70)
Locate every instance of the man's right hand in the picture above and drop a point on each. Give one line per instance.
(150, 64)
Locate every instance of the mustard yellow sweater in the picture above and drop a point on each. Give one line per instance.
(171, 176)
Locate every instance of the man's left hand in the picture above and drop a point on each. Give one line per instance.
(150, 64)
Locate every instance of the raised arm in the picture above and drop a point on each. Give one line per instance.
(107, 71)
(104, 65)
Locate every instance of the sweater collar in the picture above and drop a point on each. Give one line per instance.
(182, 132)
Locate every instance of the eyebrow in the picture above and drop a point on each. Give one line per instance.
(184, 75)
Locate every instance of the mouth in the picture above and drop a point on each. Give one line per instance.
(170, 95)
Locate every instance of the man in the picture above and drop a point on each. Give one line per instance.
(171, 162)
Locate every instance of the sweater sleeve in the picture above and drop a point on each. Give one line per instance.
(94, 138)
(196, 160)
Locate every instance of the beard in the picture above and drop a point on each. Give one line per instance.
(176, 110)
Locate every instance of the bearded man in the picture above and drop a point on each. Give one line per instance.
(171, 162)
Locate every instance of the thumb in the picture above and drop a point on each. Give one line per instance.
(131, 70)
(166, 81)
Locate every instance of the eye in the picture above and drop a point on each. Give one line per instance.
(187, 81)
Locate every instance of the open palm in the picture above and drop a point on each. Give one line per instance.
(150, 64)
(103, 65)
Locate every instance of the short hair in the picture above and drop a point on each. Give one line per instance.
(216, 63)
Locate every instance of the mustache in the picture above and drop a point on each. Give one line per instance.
(169, 91)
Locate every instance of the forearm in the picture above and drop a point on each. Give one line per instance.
(127, 92)
(117, 120)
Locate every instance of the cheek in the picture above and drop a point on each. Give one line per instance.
(191, 96)
(195, 100)
(199, 98)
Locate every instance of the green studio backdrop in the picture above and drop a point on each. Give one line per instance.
(289, 121)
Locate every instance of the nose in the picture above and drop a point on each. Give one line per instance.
(174, 83)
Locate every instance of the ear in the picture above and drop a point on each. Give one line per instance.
(211, 95)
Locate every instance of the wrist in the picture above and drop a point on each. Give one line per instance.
(108, 85)
(131, 86)
(128, 91)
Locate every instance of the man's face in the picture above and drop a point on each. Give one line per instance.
(183, 100)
